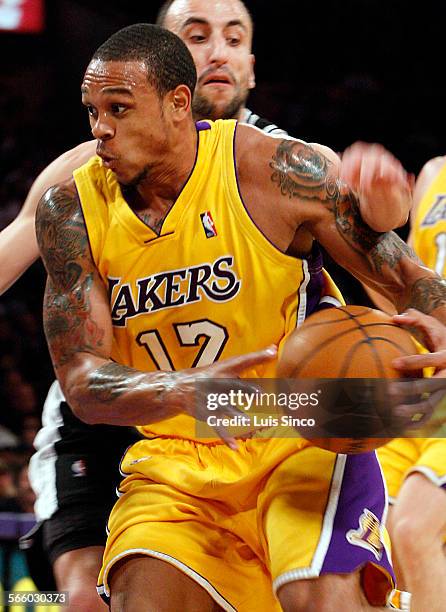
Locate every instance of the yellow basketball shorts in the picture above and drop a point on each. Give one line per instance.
(243, 523)
(402, 456)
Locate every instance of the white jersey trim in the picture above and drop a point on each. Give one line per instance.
(42, 465)
(314, 570)
(438, 481)
(219, 599)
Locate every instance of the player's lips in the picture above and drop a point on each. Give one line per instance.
(107, 159)
(216, 78)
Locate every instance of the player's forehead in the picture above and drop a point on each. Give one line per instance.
(103, 75)
(216, 13)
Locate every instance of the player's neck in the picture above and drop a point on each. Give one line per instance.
(165, 180)
(239, 115)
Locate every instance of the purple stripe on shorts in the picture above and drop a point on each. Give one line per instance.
(316, 282)
(361, 499)
(202, 125)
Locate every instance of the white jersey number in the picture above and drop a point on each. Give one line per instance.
(210, 337)
(440, 242)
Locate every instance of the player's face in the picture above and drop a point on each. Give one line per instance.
(126, 118)
(218, 34)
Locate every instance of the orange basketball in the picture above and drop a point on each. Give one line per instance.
(352, 344)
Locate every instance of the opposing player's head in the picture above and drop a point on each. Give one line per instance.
(218, 33)
(138, 89)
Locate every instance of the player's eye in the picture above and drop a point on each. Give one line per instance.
(118, 109)
(197, 38)
(234, 41)
(91, 110)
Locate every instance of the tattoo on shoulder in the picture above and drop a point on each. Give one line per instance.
(63, 242)
(61, 233)
(301, 171)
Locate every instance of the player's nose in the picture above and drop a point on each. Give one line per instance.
(219, 50)
(102, 129)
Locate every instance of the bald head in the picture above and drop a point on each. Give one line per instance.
(172, 12)
(218, 34)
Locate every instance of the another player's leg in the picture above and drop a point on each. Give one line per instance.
(322, 517)
(76, 571)
(418, 530)
(170, 588)
(325, 594)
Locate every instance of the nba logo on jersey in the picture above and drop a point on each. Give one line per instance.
(79, 468)
(208, 224)
(437, 212)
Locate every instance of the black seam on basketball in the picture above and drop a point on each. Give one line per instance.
(321, 346)
(370, 342)
(367, 340)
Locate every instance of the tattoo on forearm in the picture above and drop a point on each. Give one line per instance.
(112, 380)
(427, 294)
(389, 250)
(350, 225)
(68, 324)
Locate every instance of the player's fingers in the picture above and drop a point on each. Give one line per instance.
(236, 365)
(412, 389)
(414, 415)
(433, 330)
(226, 385)
(410, 363)
(351, 163)
(223, 433)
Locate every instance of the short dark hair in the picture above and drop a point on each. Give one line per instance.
(161, 17)
(166, 57)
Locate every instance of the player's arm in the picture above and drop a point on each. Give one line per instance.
(303, 188)
(424, 179)
(78, 328)
(18, 244)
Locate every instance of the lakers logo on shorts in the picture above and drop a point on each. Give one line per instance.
(368, 535)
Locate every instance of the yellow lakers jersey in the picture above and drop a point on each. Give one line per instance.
(429, 227)
(210, 286)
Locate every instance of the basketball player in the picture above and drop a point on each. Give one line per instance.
(73, 489)
(75, 492)
(415, 468)
(136, 280)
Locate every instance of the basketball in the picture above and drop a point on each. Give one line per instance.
(354, 347)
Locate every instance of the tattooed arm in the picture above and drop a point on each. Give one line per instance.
(78, 328)
(290, 185)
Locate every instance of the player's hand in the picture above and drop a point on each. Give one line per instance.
(434, 335)
(383, 186)
(418, 398)
(191, 388)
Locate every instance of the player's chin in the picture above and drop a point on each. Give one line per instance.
(129, 178)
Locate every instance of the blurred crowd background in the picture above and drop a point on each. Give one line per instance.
(331, 72)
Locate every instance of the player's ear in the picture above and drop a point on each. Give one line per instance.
(179, 102)
(252, 76)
